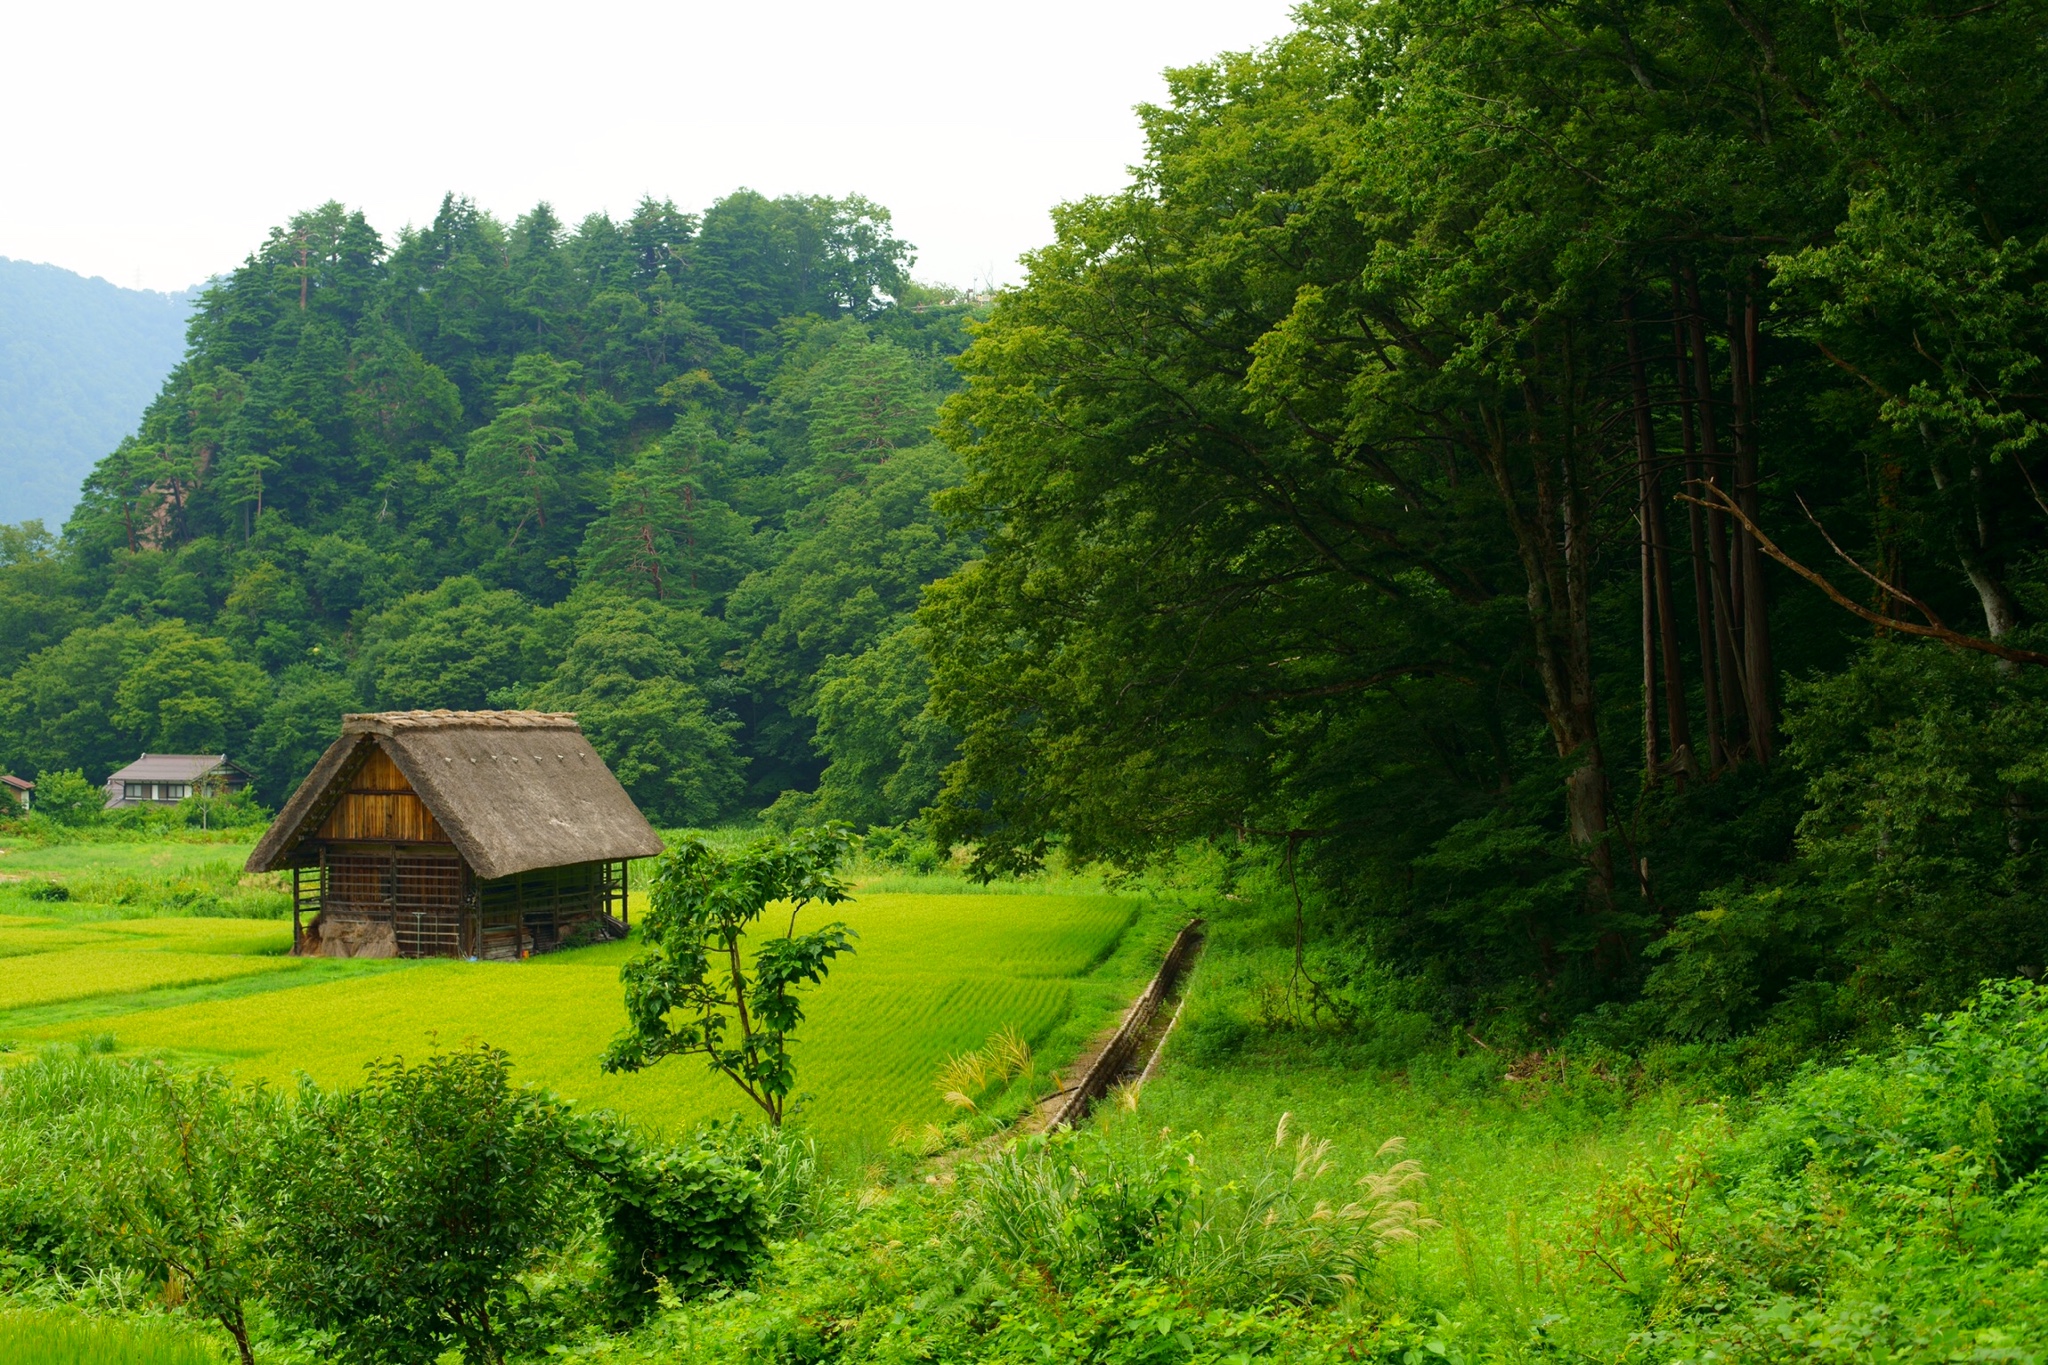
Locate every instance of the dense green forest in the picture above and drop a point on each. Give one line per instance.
(671, 473)
(1403, 474)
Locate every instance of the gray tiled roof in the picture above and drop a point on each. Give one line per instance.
(169, 768)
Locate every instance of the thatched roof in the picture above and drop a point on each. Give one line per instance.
(514, 790)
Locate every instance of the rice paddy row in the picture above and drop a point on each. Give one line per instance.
(934, 976)
(54, 1338)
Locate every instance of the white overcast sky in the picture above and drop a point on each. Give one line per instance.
(156, 144)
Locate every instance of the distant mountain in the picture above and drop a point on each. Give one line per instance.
(79, 361)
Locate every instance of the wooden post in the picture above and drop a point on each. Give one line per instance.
(298, 930)
(391, 898)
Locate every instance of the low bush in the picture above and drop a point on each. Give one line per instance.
(1888, 1207)
(685, 1218)
(400, 1213)
(141, 1167)
(411, 1216)
(66, 799)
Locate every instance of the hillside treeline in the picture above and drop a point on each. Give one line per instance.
(1401, 476)
(671, 473)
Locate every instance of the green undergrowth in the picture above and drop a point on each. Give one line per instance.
(1561, 1206)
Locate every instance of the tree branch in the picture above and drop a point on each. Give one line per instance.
(1952, 638)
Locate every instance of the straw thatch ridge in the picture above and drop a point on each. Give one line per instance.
(513, 790)
(390, 722)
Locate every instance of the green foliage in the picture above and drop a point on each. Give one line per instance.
(401, 1212)
(852, 571)
(449, 647)
(384, 468)
(68, 799)
(884, 751)
(634, 672)
(688, 1218)
(1917, 873)
(152, 1171)
(1314, 467)
(298, 725)
(1887, 1207)
(660, 532)
(690, 994)
(185, 693)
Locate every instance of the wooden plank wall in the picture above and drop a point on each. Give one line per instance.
(380, 807)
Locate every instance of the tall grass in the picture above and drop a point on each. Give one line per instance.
(73, 1339)
(1233, 1229)
(128, 880)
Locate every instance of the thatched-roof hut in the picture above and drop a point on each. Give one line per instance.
(482, 834)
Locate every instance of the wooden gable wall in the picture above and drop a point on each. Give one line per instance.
(381, 807)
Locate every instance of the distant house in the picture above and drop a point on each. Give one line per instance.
(20, 788)
(166, 779)
(480, 834)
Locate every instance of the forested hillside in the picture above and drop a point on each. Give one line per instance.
(79, 360)
(672, 473)
(1394, 477)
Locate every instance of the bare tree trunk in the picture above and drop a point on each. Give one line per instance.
(1974, 545)
(1657, 565)
(1756, 621)
(1695, 518)
(1728, 663)
(1652, 768)
(1555, 543)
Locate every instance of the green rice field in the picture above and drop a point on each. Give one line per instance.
(72, 1339)
(935, 974)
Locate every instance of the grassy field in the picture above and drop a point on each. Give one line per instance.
(935, 974)
(196, 875)
(70, 1339)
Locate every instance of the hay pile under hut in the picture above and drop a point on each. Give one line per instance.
(481, 834)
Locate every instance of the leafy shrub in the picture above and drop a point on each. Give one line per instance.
(137, 1167)
(1890, 1207)
(65, 798)
(401, 1213)
(909, 847)
(228, 810)
(690, 1217)
(795, 1197)
(1919, 871)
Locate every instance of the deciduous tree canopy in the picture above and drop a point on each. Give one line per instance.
(1394, 470)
